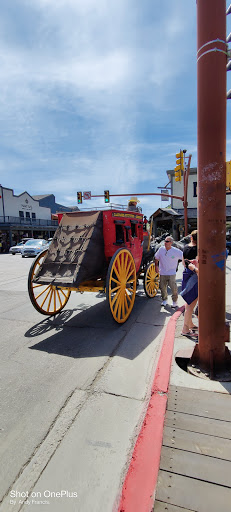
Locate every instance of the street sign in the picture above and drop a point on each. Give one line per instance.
(86, 195)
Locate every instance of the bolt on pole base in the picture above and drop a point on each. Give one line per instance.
(210, 372)
(189, 361)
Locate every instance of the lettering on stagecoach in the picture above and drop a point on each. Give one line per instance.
(128, 215)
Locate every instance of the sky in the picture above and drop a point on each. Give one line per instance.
(97, 94)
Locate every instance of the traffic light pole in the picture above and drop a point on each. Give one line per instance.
(211, 354)
(185, 201)
(144, 194)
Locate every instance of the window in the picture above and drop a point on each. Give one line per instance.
(195, 189)
(119, 234)
(133, 228)
(21, 214)
(33, 215)
(27, 215)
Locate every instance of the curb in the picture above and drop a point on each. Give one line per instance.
(139, 488)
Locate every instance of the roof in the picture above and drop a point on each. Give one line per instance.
(168, 211)
(192, 212)
(42, 196)
(193, 170)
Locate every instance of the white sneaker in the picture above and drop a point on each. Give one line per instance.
(174, 305)
(164, 302)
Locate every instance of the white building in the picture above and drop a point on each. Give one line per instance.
(172, 218)
(177, 189)
(22, 216)
(22, 206)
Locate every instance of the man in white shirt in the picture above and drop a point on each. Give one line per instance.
(167, 258)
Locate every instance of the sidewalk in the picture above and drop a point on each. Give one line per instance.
(182, 458)
(195, 464)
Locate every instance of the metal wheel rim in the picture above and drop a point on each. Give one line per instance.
(151, 281)
(122, 285)
(47, 299)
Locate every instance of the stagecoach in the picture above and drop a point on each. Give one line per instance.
(107, 251)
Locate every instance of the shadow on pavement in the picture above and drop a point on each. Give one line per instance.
(92, 332)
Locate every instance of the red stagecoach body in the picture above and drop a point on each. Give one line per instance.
(123, 229)
(92, 251)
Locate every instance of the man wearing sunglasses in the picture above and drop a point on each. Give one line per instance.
(166, 261)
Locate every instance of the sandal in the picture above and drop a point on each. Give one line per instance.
(190, 334)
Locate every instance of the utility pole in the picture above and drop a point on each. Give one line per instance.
(211, 354)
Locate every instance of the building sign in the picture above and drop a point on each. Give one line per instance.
(163, 198)
(26, 206)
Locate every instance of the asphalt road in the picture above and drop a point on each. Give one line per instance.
(73, 391)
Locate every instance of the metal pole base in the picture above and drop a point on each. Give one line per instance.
(188, 360)
(210, 371)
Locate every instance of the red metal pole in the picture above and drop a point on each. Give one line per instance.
(211, 69)
(143, 194)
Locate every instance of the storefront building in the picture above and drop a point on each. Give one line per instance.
(22, 216)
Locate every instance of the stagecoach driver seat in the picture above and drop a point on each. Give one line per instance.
(132, 204)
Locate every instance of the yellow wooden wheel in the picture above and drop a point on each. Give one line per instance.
(151, 281)
(47, 299)
(121, 285)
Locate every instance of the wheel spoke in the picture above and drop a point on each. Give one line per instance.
(59, 297)
(42, 292)
(123, 306)
(130, 274)
(126, 260)
(128, 296)
(115, 281)
(49, 291)
(117, 303)
(64, 293)
(117, 273)
(113, 290)
(119, 264)
(119, 308)
(116, 297)
(128, 271)
(48, 307)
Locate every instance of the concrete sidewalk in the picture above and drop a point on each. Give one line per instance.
(195, 465)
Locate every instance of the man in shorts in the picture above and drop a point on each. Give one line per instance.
(166, 258)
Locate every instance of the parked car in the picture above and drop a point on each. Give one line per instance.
(34, 247)
(17, 249)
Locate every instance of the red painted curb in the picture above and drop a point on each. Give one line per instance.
(138, 493)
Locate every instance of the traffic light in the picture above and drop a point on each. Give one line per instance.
(228, 175)
(179, 165)
(79, 198)
(106, 196)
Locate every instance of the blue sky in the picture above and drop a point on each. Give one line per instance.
(97, 94)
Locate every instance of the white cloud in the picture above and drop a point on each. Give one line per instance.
(91, 91)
